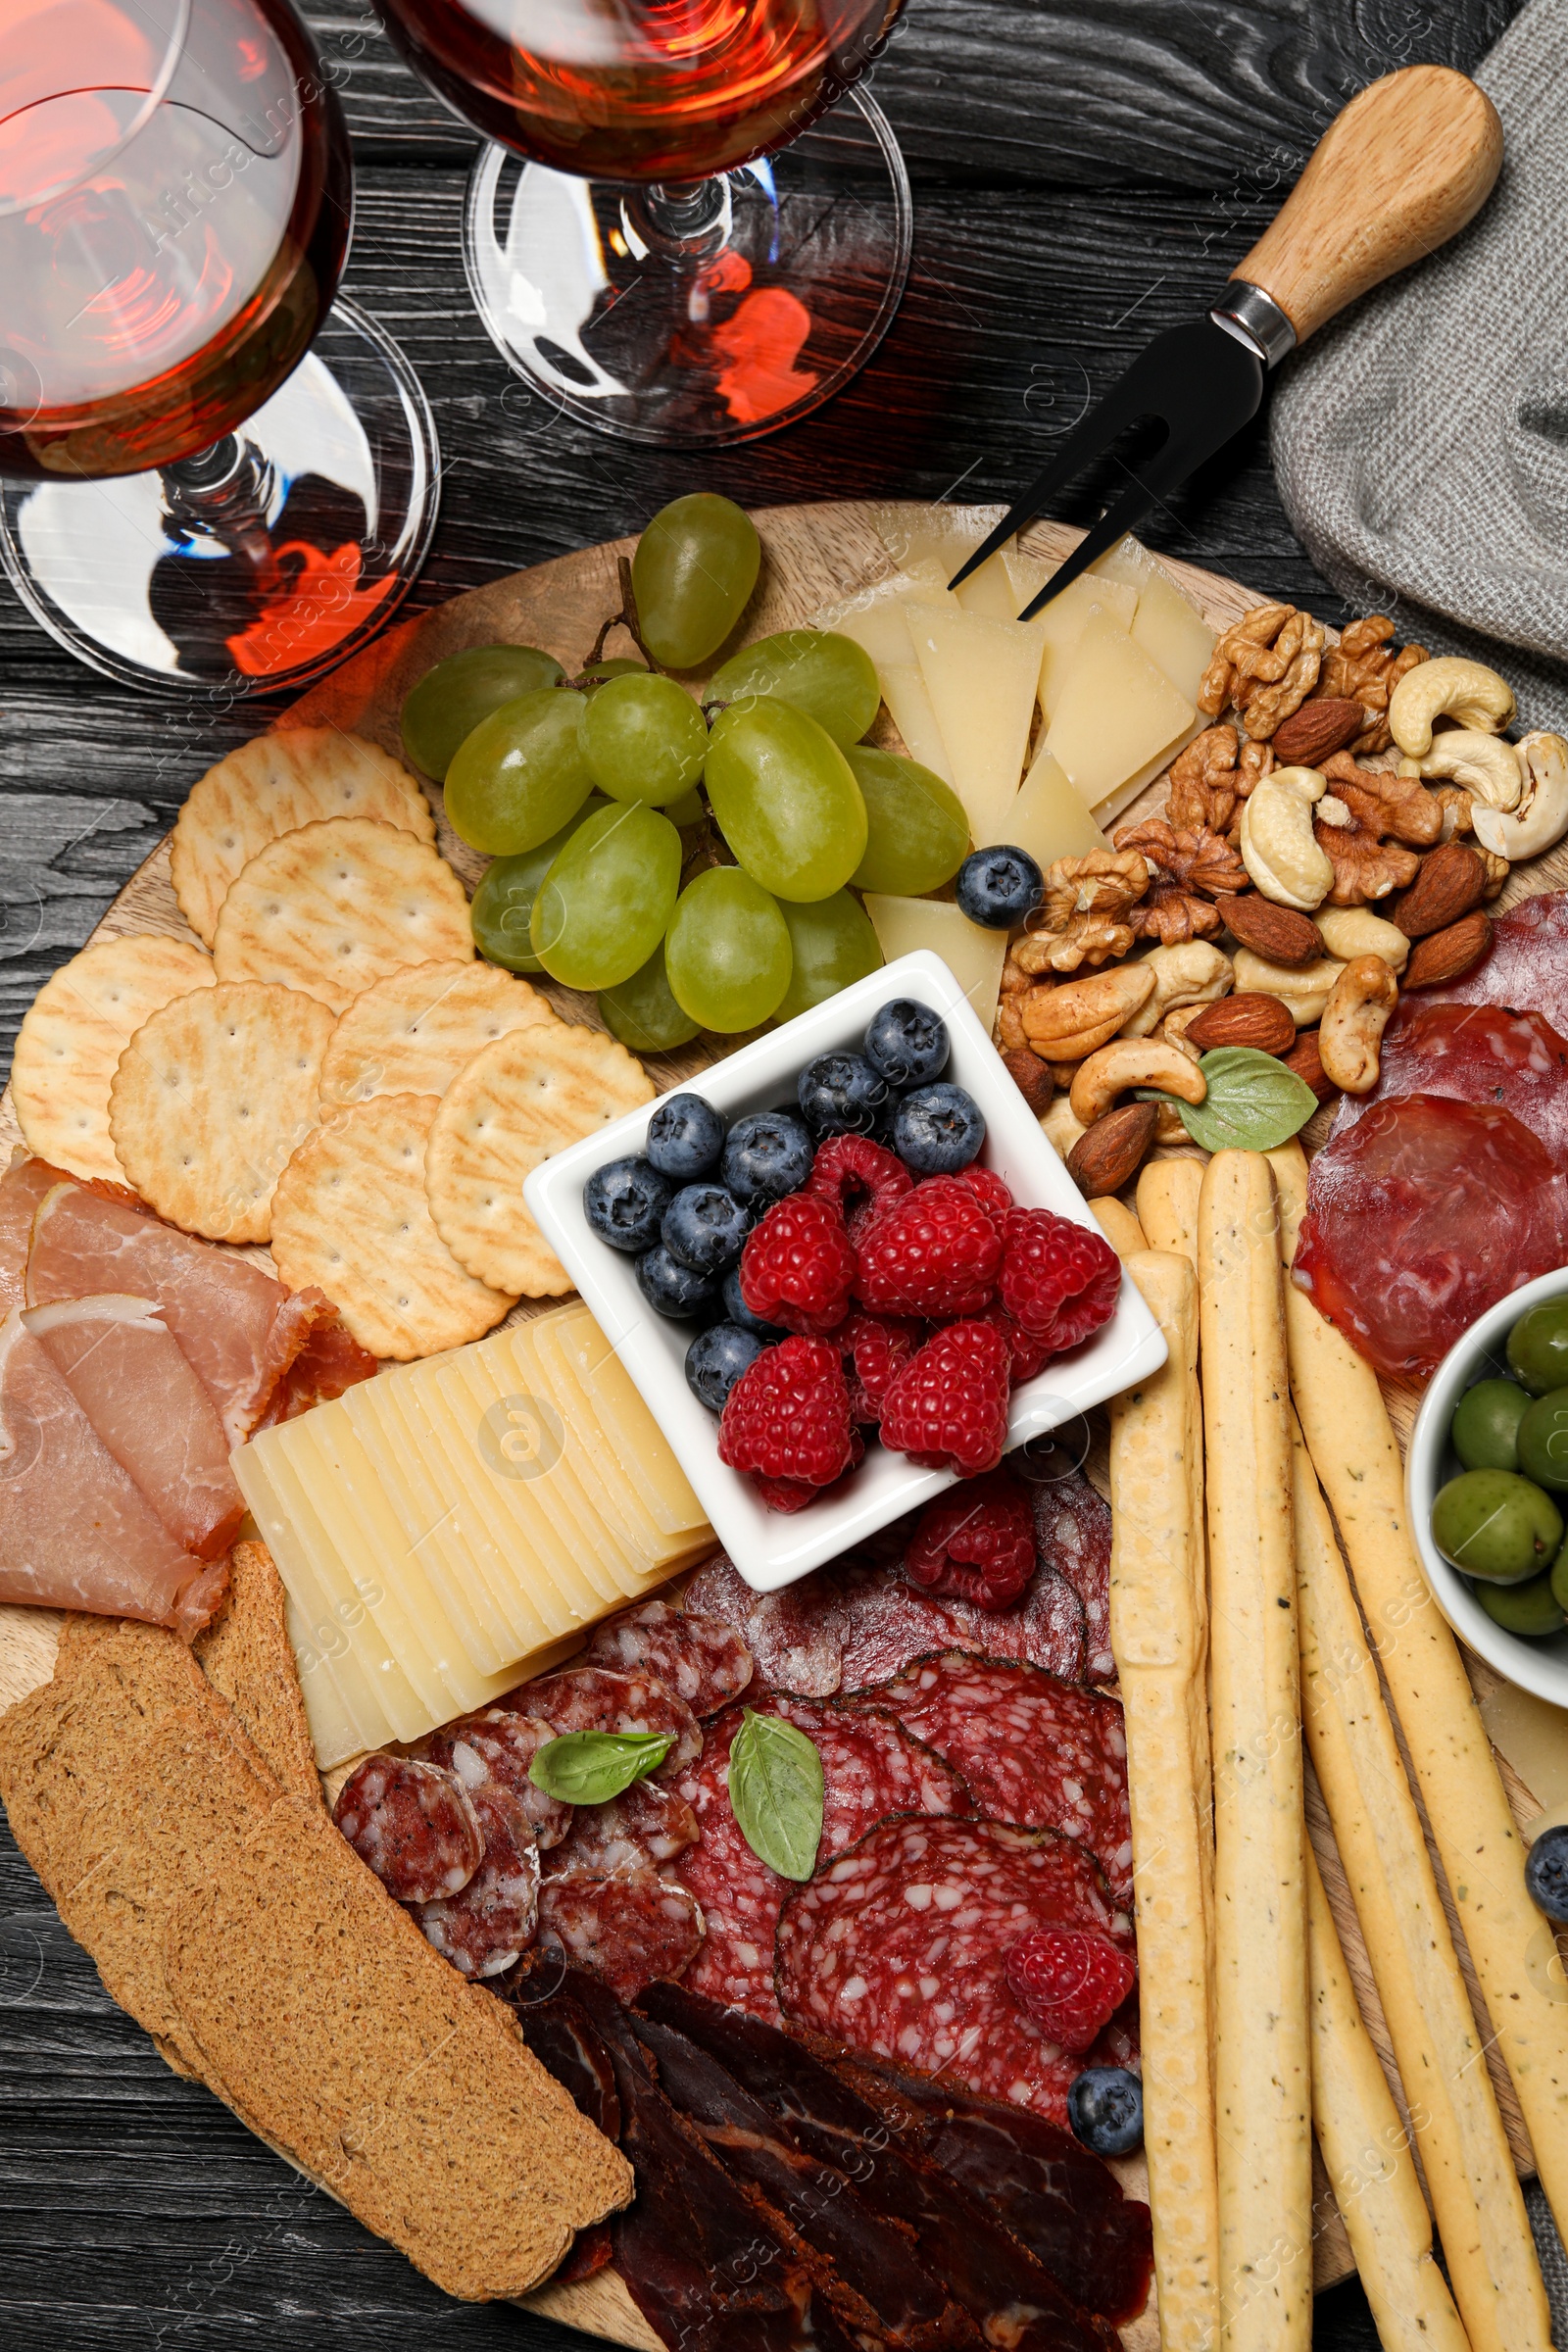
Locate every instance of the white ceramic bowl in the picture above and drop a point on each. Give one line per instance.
(771, 1548)
(1538, 1666)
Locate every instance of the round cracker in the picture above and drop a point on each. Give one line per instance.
(414, 1031)
(351, 1216)
(333, 907)
(273, 785)
(211, 1098)
(528, 1095)
(74, 1033)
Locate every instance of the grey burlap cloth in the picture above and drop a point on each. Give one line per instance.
(1421, 441)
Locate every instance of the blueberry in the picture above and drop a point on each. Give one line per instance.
(715, 1360)
(938, 1130)
(685, 1136)
(1105, 2109)
(704, 1228)
(671, 1289)
(1547, 1872)
(624, 1203)
(841, 1094)
(737, 1311)
(907, 1043)
(999, 887)
(767, 1155)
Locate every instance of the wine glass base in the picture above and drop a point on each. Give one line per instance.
(258, 565)
(771, 312)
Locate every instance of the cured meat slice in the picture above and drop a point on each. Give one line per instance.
(497, 1747)
(412, 1824)
(648, 1824)
(330, 1362)
(898, 1948)
(1036, 1753)
(126, 1369)
(76, 1532)
(25, 1184)
(795, 1636)
(1093, 2244)
(627, 1929)
(590, 1698)
(1072, 1535)
(1527, 964)
(1473, 1053)
(558, 2031)
(489, 1923)
(701, 1659)
(1420, 1217)
(871, 1767)
(592, 2250)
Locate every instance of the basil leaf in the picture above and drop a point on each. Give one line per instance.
(589, 1768)
(1254, 1101)
(775, 1794)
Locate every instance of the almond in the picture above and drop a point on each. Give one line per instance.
(1316, 730)
(1451, 881)
(1031, 1077)
(1307, 1061)
(1248, 1019)
(1107, 1155)
(1279, 934)
(1444, 954)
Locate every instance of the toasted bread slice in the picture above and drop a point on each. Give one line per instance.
(246, 1654)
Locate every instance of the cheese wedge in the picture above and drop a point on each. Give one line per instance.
(982, 676)
(1050, 819)
(875, 616)
(1063, 622)
(904, 691)
(974, 956)
(1118, 720)
(1167, 624)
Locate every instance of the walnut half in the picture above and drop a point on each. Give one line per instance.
(1192, 868)
(1207, 780)
(1266, 664)
(1085, 914)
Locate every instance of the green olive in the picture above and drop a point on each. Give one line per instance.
(1543, 1441)
(1530, 1608)
(1538, 1346)
(1496, 1525)
(1486, 1425)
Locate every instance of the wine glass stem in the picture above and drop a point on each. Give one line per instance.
(685, 222)
(226, 491)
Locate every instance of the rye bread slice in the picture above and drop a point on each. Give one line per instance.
(246, 1654)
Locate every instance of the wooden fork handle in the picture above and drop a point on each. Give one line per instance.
(1397, 174)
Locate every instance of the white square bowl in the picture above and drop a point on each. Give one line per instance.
(771, 1548)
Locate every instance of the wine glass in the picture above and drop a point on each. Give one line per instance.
(191, 495)
(633, 249)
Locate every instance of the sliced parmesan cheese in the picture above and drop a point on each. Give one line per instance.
(1167, 624)
(1004, 584)
(639, 1443)
(904, 691)
(1050, 819)
(344, 1713)
(981, 675)
(932, 539)
(1118, 720)
(1063, 621)
(973, 956)
(875, 618)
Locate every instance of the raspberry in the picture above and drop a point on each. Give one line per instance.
(794, 1494)
(947, 1408)
(1072, 1981)
(989, 1190)
(874, 1348)
(977, 1545)
(788, 1415)
(1059, 1280)
(797, 1267)
(935, 1253)
(1028, 1354)
(862, 1177)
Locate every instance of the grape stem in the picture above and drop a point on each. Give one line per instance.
(625, 619)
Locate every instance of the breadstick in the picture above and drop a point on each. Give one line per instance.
(1261, 2074)
(1367, 2158)
(1356, 1457)
(1159, 1639)
(1167, 1204)
(1439, 2048)
(1119, 1226)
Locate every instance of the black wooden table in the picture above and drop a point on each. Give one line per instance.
(1084, 174)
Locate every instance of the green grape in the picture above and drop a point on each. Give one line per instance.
(695, 566)
(917, 832)
(833, 942)
(728, 952)
(689, 810)
(643, 1013)
(621, 666)
(603, 906)
(500, 908)
(450, 699)
(785, 799)
(521, 775)
(831, 678)
(644, 739)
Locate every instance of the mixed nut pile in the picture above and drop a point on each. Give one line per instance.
(1337, 780)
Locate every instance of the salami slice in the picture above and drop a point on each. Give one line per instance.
(497, 1746)
(1072, 1535)
(1036, 1753)
(648, 1824)
(795, 1636)
(627, 1929)
(701, 1659)
(490, 1923)
(1526, 965)
(1420, 1217)
(590, 1698)
(898, 1948)
(1473, 1053)
(871, 1767)
(414, 1824)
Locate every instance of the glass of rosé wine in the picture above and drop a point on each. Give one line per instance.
(214, 474)
(672, 239)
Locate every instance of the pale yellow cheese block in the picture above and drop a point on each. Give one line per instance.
(465, 1391)
(337, 1728)
(903, 690)
(612, 1492)
(1167, 624)
(876, 620)
(982, 676)
(1118, 721)
(1064, 620)
(640, 1446)
(973, 955)
(1050, 819)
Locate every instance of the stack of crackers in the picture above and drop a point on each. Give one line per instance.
(330, 1071)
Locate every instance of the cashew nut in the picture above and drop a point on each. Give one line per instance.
(1483, 763)
(1278, 846)
(1133, 1061)
(1194, 973)
(1173, 1029)
(1303, 993)
(1354, 1020)
(1449, 687)
(1348, 931)
(1541, 816)
(1068, 1021)
(1060, 1128)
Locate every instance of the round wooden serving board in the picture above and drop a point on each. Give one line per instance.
(812, 557)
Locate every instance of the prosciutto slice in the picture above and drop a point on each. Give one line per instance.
(76, 1532)
(126, 1369)
(22, 1189)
